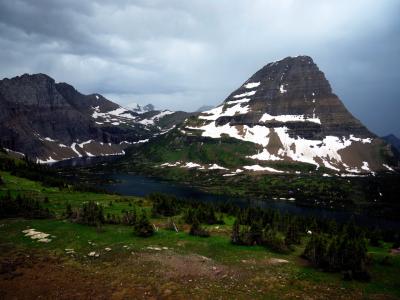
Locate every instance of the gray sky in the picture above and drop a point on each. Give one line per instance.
(184, 54)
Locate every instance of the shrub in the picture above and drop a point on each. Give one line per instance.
(129, 217)
(197, 230)
(90, 214)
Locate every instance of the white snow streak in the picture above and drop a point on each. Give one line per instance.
(251, 93)
(260, 168)
(238, 101)
(289, 118)
(151, 120)
(215, 113)
(216, 167)
(73, 147)
(251, 85)
(387, 167)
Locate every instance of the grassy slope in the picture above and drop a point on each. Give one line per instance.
(174, 147)
(227, 152)
(249, 270)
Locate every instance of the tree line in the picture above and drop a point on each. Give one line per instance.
(26, 168)
(92, 214)
(22, 206)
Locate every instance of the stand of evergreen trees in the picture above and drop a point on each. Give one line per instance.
(48, 176)
(344, 252)
(33, 171)
(92, 214)
(257, 234)
(164, 205)
(22, 206)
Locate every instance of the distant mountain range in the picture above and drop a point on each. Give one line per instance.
(284, 115)
(51, 121)
(139, 108)
(204, 108)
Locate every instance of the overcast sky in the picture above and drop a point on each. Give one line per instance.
(188, 53)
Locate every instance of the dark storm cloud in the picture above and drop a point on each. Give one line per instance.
(183, 54)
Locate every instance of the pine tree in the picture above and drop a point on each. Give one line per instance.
(143, 227)
(256, 233)
(292, 236)
(68, 211)
(235, 237)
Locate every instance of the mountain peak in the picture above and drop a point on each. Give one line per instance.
(293, 59)
(139, 108)
(26, 78)
(288, 108)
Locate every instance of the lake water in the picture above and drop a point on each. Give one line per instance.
(136, 185)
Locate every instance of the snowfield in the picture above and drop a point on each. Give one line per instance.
(314, 152)
(151, 121)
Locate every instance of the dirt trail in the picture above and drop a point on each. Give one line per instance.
(150, 275)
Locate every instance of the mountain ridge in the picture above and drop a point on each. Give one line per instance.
(51, 121)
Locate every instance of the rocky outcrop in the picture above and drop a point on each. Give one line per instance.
(393, 140)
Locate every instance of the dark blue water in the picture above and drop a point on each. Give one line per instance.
(136, 185)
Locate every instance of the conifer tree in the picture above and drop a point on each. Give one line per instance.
(143, 227)
(235, 237)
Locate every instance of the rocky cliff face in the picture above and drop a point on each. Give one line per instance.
(393, 140)
(51, 121)
(288, 110)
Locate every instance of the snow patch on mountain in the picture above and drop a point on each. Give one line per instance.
(152, 120)
(256, 134)
(260, 168)
(49, 139)
(294, 148)
(84, 143)
(289, 118)
(252, 85)
(265, 155)
(216, 167)
(108, 116)
(245, 94)
(73, 147)
(388, 167)
(282, 89)
(244, 100)
(222, 111)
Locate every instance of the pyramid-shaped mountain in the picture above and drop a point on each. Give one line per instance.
(289, 112)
